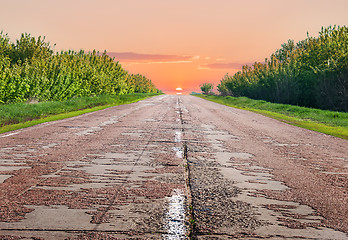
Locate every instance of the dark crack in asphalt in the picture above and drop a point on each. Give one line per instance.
(213, 207)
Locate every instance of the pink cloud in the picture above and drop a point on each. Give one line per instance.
(225, 65)
(148, 58)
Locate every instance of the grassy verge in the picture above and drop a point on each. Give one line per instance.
(21, 115)
(328, 122)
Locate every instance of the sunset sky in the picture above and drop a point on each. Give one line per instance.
(176, 43)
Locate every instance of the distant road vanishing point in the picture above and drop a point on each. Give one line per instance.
(172, 167)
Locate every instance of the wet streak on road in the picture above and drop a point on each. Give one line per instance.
(168, 167)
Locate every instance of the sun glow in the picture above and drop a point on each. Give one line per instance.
(178, 90)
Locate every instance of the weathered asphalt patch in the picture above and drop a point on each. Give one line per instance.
(146, 170)
(235, 197)
(118, 175)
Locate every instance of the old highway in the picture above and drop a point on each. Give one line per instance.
(172, 167)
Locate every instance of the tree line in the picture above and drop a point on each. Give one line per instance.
(29, 69)
(311, 73)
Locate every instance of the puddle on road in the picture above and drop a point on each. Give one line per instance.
(175, 216)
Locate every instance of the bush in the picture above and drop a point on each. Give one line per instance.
(206, 88)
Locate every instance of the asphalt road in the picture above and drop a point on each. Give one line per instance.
(169, 167)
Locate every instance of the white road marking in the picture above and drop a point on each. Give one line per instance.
(175, 217)
(10, 134)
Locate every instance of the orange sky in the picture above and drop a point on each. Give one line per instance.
(176, 43)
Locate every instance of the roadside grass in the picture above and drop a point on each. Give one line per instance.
(22, 115)
(324, 121)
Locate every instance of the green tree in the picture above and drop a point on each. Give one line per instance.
(28, 47)
(311, 73)
(206, 88)
(30, 70)
(5, 46)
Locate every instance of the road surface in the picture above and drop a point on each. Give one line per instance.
(172, 167)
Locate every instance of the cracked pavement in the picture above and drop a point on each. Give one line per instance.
(172, 167)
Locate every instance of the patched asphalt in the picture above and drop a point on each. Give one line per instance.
(172, 167)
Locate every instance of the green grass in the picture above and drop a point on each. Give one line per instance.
(21, 115)
(328, 122)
